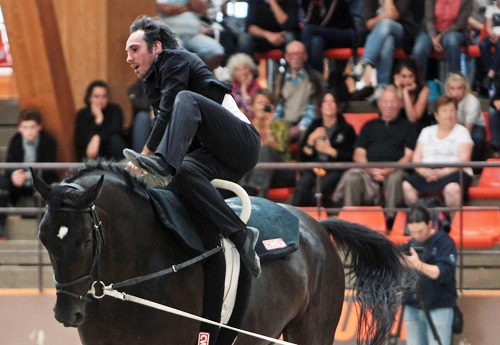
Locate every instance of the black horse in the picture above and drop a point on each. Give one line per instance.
(299, 296)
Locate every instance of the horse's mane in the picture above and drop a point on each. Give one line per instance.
(113, 172)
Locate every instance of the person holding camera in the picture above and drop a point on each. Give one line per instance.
(428, 307)
(273, 147)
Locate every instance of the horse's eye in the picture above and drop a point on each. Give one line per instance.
(87, 243)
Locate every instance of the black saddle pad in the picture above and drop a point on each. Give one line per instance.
(278, 228)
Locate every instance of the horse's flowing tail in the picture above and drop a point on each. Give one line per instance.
(377, 277)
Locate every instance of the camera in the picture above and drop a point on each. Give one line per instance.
(268, 108)
(405, 248)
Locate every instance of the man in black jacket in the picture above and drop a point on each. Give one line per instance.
(29, 145)
(199, 133)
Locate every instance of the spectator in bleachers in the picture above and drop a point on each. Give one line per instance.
(331, 24)
(414, 93)
(271, 24)
(244, 72)
(469, 112)
(99, 125)
(491, 62)
(328, 139)
(142, 121)
(494, 116)
(273, 147)
(445, 30)
(390, 138)
(183, 17)
(445, 142)
(472, 66)
(390, 25)
(298, 90)
(29, 145)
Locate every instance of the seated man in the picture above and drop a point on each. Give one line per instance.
(298, 90)
(29, 145)
(389, 138)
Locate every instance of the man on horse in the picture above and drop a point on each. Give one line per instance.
(199, 134)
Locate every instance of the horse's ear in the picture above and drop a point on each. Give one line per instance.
(93, 192)
(40, 185)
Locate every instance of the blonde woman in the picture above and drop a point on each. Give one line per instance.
(469, 111)
(243, 71)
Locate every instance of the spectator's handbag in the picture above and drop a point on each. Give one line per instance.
(458, 320)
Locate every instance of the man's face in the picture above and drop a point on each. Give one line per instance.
(139, 56)
(421, 231)
(296, 55)
(29, 129)
(389, 105)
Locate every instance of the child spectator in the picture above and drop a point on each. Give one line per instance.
(29, 145)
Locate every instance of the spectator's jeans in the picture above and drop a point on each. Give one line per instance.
(418, 330)
(318, 38)
(451, 42)
(379, 48)
(490, 61)
(202, 45)
(494, 128)
(478, 135)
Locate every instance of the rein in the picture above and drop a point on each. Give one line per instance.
(99, 241)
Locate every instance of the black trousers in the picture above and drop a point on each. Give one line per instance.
(204, 141)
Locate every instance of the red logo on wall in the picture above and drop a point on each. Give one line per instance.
(274, 243)
(203, 338)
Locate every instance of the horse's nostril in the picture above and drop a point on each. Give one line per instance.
(78, 319)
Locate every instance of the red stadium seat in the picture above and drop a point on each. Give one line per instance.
(397, 233)
(372, 217)
(279, 194)
(313, 212)
(357, 120)
(481, 226)
(488, 186)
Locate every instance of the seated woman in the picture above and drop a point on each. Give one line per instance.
(445, 30)
(387, 23)
(99, 125)
(329, 139)
(274, 147)
(243, 70)
(469, 112)
(447, 141)
(413, 92)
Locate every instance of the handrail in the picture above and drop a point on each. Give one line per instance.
(275, 166)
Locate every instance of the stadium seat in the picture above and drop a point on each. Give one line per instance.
(481, 226)
(313, 212)
(357, 120)
(372, 217)
(488, 186)
(279, 194)
(397, 233)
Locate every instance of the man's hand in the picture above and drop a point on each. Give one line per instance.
(18, 178)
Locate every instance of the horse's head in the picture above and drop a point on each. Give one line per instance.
(70, 231)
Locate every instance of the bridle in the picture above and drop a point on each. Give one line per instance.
(97, 235)
(99, 242)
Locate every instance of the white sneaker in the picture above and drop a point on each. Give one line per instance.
(376, 94)
(358, 70)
